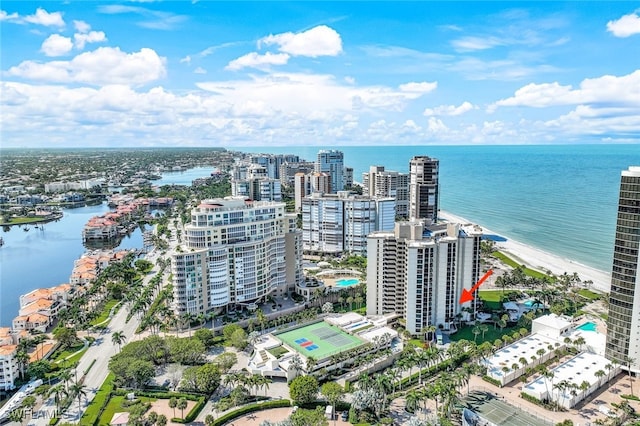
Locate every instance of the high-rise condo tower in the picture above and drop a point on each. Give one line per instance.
(623, 325)
(423, 188)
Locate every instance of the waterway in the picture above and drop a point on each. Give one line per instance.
(44, 256)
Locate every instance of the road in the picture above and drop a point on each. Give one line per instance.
(101, 350)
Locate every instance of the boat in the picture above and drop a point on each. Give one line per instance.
(1, 241)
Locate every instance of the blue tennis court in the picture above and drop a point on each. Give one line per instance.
(301, 341)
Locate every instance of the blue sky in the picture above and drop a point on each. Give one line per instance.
(81, 74)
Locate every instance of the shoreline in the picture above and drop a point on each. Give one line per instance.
(541, 260)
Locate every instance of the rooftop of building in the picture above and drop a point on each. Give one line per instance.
(554, 321)
(8, 350)
(524, 348)
(582, 367)
(234, 203)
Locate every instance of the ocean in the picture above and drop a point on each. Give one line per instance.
(561, 199)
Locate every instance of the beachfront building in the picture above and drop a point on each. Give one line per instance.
(423, 188)
(334, 224)
(419, 271)
(332, 163)
(289, 170)
(256, 184)
(238, 251)
(623, 326)
(378, 182)
(307, 184)
(272, 163)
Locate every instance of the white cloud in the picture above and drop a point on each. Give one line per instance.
(422, 87)
(4, 16)
(435, 125)
(623, 90)
(106, 65)
(199, 70)
(81, 26)
(450, 110)
(56, 45)
(350, 80)
(81, 39)
(255, 60)
(41, 17)
(186, 60)
(306, 93)
(154, 19)
(626, 26)
(476, 43)
(318, 41)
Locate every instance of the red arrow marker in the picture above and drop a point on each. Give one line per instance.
(467, 295)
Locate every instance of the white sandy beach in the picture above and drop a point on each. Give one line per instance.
(542, 260)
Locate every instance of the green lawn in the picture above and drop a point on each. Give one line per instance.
(104, 315)
(588, 294)
(115, 406)
(528, 271)
(278, 351)
(22, 220)
(489, 336)
(58, 356)
(91, 414)
(493, 298)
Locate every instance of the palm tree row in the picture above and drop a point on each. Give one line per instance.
(251, 381)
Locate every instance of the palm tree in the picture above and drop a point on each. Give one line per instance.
(599, 374)
(58, 393)
(484, 328)
(65, 376)
(182, 404)
(311, 363)
(118, 338)
(22, 358)
(476, 330)
(296, 364)
(187, 318)
(79, 390)
(628, 361)
(173, 403)
(584, 386)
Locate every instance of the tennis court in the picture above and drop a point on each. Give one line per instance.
(319, 340)
(499, 412)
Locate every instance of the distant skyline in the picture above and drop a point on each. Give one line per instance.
(234, 74)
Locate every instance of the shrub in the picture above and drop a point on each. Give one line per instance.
(492, 380)
(250, 409)
(191, 416)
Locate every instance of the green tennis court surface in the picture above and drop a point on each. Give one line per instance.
(319, 340)
(499, 412)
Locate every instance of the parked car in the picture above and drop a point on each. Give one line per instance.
(345, 416)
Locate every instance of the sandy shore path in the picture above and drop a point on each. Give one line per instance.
(542, 260)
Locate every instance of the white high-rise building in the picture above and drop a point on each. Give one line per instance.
(256, 184)
(378, 182)
(237, 252)
(623, 324)
(423, 188)
(306, 184)
(339, 223)
(332, 163)
(419, 272)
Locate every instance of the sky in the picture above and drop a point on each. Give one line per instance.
(233, 74)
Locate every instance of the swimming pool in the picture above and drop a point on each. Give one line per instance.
(532, 303)
(347, 283)
(588, 326)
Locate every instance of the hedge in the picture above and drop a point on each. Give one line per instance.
(250, 409)
(159, 395)
(191, 416)
(492, 380)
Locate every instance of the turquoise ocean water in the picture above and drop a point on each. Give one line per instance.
(562, 199)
